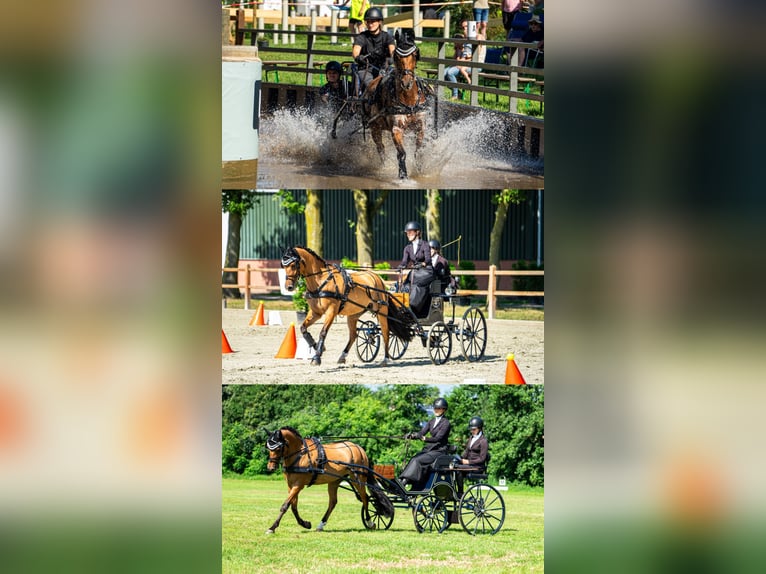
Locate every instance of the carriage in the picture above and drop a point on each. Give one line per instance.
(434, 332)
(452, 493)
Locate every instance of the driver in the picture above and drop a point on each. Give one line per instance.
(439, 429)
(372, 48)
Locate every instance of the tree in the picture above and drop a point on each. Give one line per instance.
(312, 213)
(433, 214)
(235, 202)
(504, 199)
(367, 206)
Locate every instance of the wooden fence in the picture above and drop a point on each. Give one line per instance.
(492, 293)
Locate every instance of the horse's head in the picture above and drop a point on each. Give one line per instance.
(291, 263)
(276, 445)
(406, 57)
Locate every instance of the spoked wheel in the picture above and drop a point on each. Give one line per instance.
(375, 519)
(439, 343)
(473, 335)
(396, 346)
(482, 510)
(367, 341)
(431, 514)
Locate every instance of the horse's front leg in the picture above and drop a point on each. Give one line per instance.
(397, 134)
(293, 495)
(383, 321)
(294, 506)
(332, 493)
(377, 137)
(329, 318)
(351, 320)
(311, 318)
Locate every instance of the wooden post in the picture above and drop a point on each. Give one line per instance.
(447, 24)
(333, 26)
(285, 13)
(239, 38)
(491, 288)
(292, 26)
(247, 286)
(513, 81)
(310, 55)
(225, 28)
(416, 18)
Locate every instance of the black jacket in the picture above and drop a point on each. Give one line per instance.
(439, 435)
(410, 258)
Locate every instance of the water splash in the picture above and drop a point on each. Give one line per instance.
(458, 152)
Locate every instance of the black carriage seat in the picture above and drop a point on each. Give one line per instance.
(476, 476)
(443, 462)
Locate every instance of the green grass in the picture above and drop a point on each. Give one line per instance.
(251, 506)
(506, 311)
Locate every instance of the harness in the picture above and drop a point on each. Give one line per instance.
(315, 469)
(319, 292)
(424, 90)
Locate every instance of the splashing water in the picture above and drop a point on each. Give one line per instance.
(459, 153)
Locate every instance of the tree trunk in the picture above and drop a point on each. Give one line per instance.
(314, 221)
(232, 256)
(366, 209)
(496, 235)
(364, 241)
(433, 215)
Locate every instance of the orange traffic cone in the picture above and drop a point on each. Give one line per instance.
(288, 346)
(225, 347)
(512, 373)
(257, 319)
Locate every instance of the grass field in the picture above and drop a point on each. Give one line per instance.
(251, 506)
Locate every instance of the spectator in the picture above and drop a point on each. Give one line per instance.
(355, 15)
(451, 74)
(510, 9)
(481, 15)
(532, 58)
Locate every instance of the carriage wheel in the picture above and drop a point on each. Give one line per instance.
(375, 519)
(473, 335)
(430, 514)
(439, 343)
(482, 510)
(367, 341)
(396, 346)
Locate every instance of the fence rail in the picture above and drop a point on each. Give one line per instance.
(492, 293)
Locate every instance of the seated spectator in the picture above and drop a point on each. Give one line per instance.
(453, 73)
(532, 58)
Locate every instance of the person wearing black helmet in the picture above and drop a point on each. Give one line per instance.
(441, 266)
(372, 48)
(477, 447)
(336, 90)
(417, 256)
(439, 428)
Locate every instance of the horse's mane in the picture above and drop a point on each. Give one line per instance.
(292, 430)
(312, 252)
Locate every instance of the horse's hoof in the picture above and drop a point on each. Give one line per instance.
(307, 525)
(320, 526)
(269, 531)
(316, 361)
(341, 361)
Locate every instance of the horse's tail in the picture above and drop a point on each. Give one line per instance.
(400, 319)
(380, 500)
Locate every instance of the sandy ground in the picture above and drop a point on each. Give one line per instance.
(254, 348)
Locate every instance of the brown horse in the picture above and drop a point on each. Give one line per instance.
(398, 102)
(333, 291)
(308, 461)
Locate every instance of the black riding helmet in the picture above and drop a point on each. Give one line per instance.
(435, 244)
(333, 66)
(440, 403)
(412, 226)
(373, 14)
(476, 422)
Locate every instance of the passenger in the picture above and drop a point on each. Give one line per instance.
(372, 48)
(441, 266)
(439, 428)
(477, 447)
(336, 90)
(476, 452)
(417, 256)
